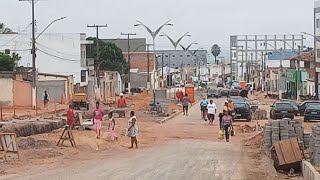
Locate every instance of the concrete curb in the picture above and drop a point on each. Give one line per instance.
(173, 115)
(309, 172)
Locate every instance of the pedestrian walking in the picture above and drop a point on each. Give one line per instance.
(70, 116)
(133, 129)
(46, 99)
(178, 95)
(97, 118)
(212, 110)
(112, 125)
(203, 108)
(185, 104)
(227, 123)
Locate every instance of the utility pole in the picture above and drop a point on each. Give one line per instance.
(129, 77)
(97, 62)
(162, 78)
(298, 74)
(33, 52)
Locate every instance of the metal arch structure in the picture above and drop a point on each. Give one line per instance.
(175, 43)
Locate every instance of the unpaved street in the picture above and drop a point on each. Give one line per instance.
(181, 159)
(187, 148)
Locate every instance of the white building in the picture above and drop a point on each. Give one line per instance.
(58, 53)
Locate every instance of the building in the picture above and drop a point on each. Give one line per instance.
(59, 87)
(304, 75)
(254, 49)
(177, 59)
(139, 61)
(15, 91)
(317, 44)
(53, 50)
(136, 44)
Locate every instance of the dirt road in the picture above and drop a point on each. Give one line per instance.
(187, 148)
(181, 159)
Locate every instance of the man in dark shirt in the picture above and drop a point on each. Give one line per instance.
(45, 99)
(185, 104)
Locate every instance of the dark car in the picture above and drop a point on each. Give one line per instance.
(312, 112)
(237, 99)
(281, 110)
(234, 92)
(224, 92)
(220, 84)
(243, 111)
(302, 107)
(213, 93)
(294, 104)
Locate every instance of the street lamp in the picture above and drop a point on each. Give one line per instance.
(175, 43)
(59, 19)
(154, 35)
(186, 49)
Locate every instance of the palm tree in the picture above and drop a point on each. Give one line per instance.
(4, 29)
(215, 51)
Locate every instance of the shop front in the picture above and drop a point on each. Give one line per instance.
(291, 81)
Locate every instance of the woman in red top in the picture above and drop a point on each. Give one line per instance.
(97, 118)
(70, 116)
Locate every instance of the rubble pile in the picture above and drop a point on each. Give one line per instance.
(30, 127)
(277, 130)
(314, 149)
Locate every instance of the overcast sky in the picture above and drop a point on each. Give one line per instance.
(209, 21)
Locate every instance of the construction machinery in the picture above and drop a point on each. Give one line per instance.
(80, 101)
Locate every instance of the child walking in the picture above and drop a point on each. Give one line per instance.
(112, 124)
(97, 118)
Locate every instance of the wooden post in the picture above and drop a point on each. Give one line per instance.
(1, 115)
(14, 111)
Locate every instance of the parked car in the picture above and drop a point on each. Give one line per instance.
(220, 84)
(243, 111)
(224, 92)
(234, 92)
(302, 107)
(213, 93)
(312, 112)
(235, 85)
(294, 104)
(281, 110)
(237, 99)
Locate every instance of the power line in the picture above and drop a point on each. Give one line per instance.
(15, 36)
(61, 58)
(56, 51)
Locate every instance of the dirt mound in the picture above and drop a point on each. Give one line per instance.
(31, 143)
(246, 129)
(141, 102)
(255, 141)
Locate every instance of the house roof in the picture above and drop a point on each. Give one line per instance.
(304, 56)
(54, 75)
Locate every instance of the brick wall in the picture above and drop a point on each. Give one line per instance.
(22, 93)
(139, 61)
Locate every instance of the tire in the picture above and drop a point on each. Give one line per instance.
(305, 120)
(249, 119)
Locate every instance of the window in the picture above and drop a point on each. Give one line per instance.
(83, 75)
(188, 55)
(317, 23)
(234, 54)
(181, 55)
(173, 56)
(83, 54)
(167, 55)
(188, 64)
(318, 53)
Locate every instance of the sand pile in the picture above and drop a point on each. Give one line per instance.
(256, 140)
(246, 129)
(141, 102)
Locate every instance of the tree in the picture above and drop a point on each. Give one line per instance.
(215, 51)
(4, 29)
(7, 62)
(111, 57)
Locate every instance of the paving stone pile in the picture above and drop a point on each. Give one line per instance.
(314, 149)
(277, 130)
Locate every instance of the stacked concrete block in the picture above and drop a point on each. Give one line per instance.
(277, 130)
(306, 139)
(314, 146)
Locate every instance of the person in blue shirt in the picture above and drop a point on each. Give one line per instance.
(203, 106)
